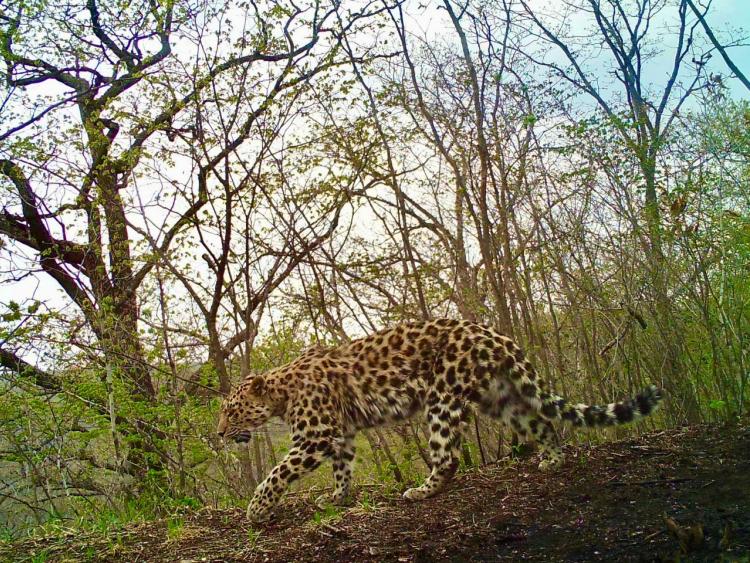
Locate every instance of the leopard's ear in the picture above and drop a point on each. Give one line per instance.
(258, 385)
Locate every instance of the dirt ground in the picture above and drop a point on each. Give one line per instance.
(681, 494)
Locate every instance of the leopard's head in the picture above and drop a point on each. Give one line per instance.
(245, 409)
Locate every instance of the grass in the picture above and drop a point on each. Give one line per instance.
(327, 515)
(175, 528)
(366, 502)
(6, 534)
(253, 536)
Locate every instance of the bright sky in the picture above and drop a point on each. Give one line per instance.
(733, 15)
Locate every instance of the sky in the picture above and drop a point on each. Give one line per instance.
(733, 15)
(728, 19)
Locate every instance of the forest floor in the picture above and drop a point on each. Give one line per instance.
(620, 501)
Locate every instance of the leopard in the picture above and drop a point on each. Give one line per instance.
(443, 369)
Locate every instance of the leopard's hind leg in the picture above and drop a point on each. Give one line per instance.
(516, 396)
(343, 462)
(505, 403)
(545, 436)
(446, 418)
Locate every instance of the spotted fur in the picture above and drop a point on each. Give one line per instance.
(440, 368)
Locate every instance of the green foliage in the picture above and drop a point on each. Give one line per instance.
(253, 536)
(6, 534)
(175, 527)
(281, 348)
(365, 502)
(720, 237)
(327, 515)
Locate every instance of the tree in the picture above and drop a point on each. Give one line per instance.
(642, 113)
(88, 140)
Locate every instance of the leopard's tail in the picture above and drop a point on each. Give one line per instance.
(643, 404)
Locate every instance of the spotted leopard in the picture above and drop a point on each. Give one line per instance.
(441, 368)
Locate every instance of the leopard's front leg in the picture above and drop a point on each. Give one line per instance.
(343, 465)
(300, 460)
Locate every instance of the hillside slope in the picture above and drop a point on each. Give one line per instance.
(608, 503)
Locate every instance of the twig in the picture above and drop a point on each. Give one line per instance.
(652, 536)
